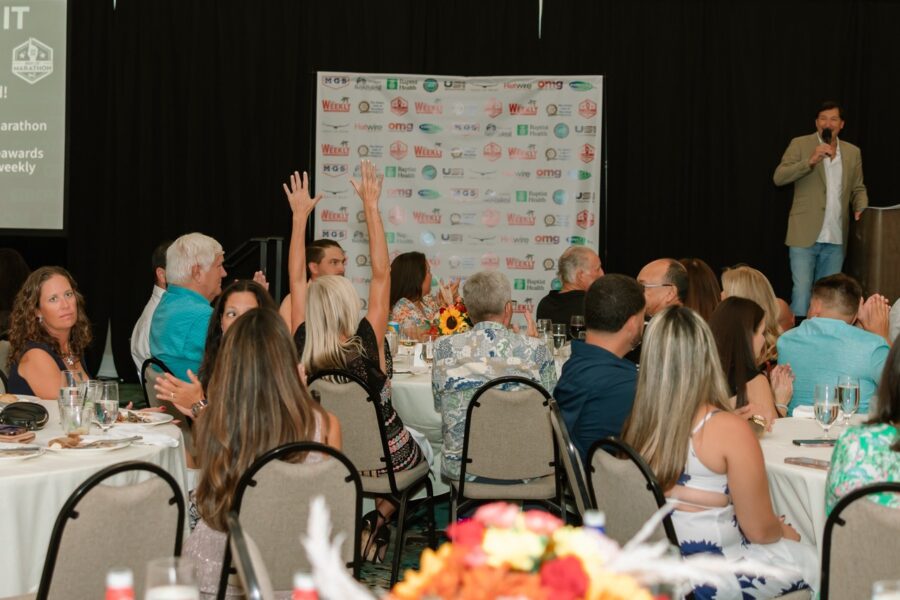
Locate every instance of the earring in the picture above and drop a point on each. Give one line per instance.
(40, 319)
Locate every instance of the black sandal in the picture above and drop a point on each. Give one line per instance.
(372, 542)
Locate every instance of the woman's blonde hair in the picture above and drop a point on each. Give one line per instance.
(332, 316)
(747, 282)
(680, 372)
(256, 403)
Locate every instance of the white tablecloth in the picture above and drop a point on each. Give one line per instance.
(414, 402)
(798, 492)
(33, 491)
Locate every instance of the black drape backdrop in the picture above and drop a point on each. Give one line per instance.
(189, 115)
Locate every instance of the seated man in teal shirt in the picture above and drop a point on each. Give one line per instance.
(194, 273)
(827, 344)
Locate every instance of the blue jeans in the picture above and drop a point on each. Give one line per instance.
(808, 265)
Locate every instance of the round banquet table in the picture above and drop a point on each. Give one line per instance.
(798, 492)
(33, 491)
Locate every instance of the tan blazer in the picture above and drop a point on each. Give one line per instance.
(808, 208)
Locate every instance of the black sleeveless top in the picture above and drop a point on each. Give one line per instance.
(17, 383)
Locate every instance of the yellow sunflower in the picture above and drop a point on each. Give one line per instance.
(451, 321)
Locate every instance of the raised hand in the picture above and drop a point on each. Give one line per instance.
(448, 291)
(260, 278)
(298, 195)
(369, 186)
(874, 316)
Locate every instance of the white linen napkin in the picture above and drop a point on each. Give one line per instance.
(804, 412)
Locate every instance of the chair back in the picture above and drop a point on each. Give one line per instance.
(101, 526)
(250, 566)
(508, 433)
(273, 497)
(151, 370)
(571, 460)
(359, 411)
(860, 544)
(4, 363)
(626, 490)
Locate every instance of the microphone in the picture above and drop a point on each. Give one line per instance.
(826, 135)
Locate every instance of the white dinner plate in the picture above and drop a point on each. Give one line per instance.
(114, 445)
(9, 455)
(152, 418)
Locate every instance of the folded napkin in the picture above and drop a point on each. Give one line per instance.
(804, 412)
(129, 430)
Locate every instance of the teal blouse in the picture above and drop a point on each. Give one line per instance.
(863, 456)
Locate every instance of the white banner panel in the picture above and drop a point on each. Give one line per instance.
(480, 173)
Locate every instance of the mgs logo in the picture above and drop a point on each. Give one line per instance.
(493, 107)
(334, 234)
(334, 169)
(587, 153)
(32, 60)
(399, 106)
(335, 82)
(493, 151)
(398, 150)
(584, 219)
(587, 108)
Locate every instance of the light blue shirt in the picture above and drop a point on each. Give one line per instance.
(178, 330)
(821, 349)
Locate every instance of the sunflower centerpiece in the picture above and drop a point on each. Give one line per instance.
(452, 319)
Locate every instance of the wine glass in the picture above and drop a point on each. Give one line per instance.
(544, 326)
(576, 326)
(109, 391)
(827, 407)
(848, 394)
(559, 336)
(106, 412)
(171, 578)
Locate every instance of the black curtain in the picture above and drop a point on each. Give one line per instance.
(187, 116)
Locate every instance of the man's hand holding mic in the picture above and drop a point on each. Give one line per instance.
(822, 150)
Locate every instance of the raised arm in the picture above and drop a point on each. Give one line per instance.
(369, 191)
(301, 207)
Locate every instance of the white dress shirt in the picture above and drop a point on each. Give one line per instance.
(140, 335)
(832, 226)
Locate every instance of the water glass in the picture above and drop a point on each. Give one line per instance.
(106, 413)
(77, 419)
(428, 348)
(109, 391)
(827, 406)
(68, 396)
(848, 394)
(886, 590)
(392, 340)
(171, 578)
(544, 326)
(559, 337)
(73, 379)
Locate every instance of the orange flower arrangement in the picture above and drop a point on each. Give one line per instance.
(504, 553)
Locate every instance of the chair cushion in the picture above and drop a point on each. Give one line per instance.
(404, 479)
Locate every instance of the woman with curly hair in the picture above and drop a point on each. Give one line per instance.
(48, 333)
(747, 282)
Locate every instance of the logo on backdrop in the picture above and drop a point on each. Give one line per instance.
(32, 60)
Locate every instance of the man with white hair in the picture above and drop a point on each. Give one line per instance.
(579, 267)
(465, 361)
(194, 273)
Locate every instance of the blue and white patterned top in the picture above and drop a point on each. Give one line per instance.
(463, 362)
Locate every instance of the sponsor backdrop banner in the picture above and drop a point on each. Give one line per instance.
(32, 113)
(479, 173)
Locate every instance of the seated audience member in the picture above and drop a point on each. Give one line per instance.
(194, 273)
(827, 344)
(895, 321)
(665, 282)
(747, 282)
(140, 335)
(578, 268)
(241, 296)
(596, 388)
(323, 257)
(737, 326)
(870, 453)
(49, 331)
(13, 273)
(256, 403)
(463, 362)
(331, 335)
(704, 292)
(709, 462)
(412, 304)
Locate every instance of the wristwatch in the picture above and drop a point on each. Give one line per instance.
(197, 407)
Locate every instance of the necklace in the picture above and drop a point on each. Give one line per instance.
(69, 359)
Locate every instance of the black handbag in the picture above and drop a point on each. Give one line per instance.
(25, 414)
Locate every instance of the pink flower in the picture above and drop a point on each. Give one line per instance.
(564, 578)
(468, 533)
(540, 522)
(497, 514)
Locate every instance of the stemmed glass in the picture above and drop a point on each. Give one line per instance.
(544, 326)
(559, 336)
(576, 326)
(827, 407)
(106, 412)
(848, 394)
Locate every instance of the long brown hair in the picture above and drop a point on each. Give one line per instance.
(680, 372)
(25, 327)
(256, 403)
(733, 324)
(704, 292)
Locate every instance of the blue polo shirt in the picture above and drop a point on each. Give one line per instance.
(595, 394)
(821, 349)
(178, 330)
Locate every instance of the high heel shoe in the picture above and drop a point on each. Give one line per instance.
(381, 540)
(372, 541)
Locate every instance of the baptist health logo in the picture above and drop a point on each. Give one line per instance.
(32, 60)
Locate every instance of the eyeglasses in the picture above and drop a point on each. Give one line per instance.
(647, 286)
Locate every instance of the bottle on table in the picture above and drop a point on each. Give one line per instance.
(120, 584)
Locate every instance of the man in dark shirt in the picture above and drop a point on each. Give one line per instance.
(596, 389)
(579, 267)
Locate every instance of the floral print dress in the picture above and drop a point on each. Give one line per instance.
(862, 456)
(406, 313)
